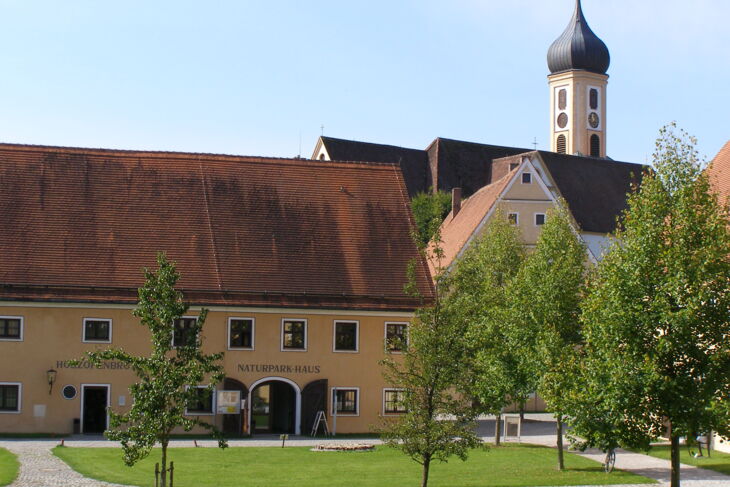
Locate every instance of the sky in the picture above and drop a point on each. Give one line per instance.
(267, 77)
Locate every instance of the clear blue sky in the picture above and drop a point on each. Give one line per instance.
(253, 77)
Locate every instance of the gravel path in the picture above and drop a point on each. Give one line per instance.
(40, 468)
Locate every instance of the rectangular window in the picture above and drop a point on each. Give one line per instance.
(393, 401)
(539, 219)
(183, 333)
(97, 330)
(11, 328)
(294, 335)
(201, 401)
(396, 336)
(345, 400)
(240, 333)
(9, 397)
(346, 336)
(526, 178)
(514, 218)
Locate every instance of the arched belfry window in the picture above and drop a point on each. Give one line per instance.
(562, 144)
(595, 146)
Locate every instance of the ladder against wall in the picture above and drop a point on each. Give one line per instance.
(320, 420)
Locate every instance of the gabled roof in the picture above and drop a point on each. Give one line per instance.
(719, 173)
(413, 162)
(465, 165)
(80, 224)
(595, 189)
(457, 229)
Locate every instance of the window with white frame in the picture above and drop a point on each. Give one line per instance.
(526, 178)
(393, 401)
(240, 333)
(539, 219)
(396, 337)
(294, 335)
(97, 330)
(10, 397)
(184, 332)
(514, 218)
(345, 401)
(346, 336)
(11, 328)
(200, 401)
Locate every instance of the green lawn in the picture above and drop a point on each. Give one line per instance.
(8, 467)
(246, 467)
(719, 462)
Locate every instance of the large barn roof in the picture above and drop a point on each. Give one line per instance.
(80, 224)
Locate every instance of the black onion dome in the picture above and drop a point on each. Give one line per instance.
(578, 48)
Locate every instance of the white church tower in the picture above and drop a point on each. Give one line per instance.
(578, 61)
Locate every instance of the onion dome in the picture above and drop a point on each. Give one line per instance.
(578, 48)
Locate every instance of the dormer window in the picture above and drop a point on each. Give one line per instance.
(513, 165)
(526, 178)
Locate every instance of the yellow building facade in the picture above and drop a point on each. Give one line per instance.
(302, 266)
(342, 348)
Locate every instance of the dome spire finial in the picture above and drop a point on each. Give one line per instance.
(578, 47)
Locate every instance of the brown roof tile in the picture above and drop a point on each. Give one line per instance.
(82, 223)
(719, 172)
(456, 230)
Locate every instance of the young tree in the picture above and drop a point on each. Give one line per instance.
(429, 368)
(545, 304)
(429, 210)
(657, 316)
(498, 375)
(163, 390)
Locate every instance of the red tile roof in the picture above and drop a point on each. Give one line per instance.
(456, 230)
(719, 172)
(80, 224)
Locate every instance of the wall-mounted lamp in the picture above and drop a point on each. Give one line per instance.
(51, 376)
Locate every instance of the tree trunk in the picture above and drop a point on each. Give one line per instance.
(561, 463)
(426, 466)
(497, 428)
(675, 461)
(163, 476)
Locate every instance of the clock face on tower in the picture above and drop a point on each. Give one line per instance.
(562, 120)
(593, 120)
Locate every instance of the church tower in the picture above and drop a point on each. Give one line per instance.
(578, 61)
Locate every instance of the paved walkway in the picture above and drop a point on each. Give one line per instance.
(40, 468)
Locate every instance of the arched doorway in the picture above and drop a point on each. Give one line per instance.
(274, 406)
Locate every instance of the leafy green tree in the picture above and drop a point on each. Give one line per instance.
(545, 304)
(657, 316)
(163, 390)
(429, 210)
(499, 373)
(439, 421)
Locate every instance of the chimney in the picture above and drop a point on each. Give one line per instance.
(455, 201)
